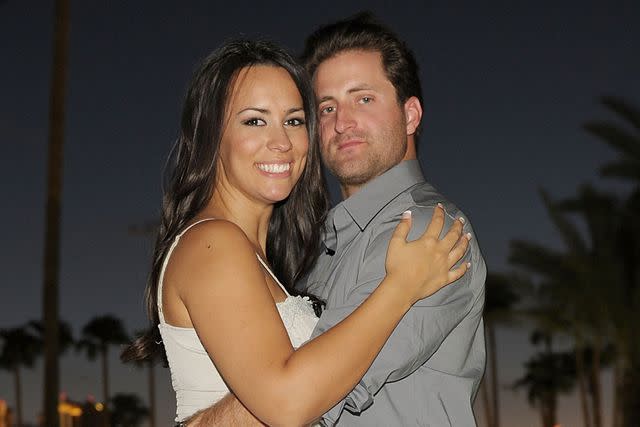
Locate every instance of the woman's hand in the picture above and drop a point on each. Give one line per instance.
(425, 265)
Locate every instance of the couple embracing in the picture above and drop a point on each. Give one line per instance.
(272, 310)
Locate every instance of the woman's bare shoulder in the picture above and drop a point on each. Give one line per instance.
(214, 235)
(217, 247)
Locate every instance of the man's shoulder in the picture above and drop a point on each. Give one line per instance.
(421, 200)
(425, 198)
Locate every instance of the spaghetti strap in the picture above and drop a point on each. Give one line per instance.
(266, 267)
(166, 261)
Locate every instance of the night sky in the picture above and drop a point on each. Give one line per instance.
(507, 87)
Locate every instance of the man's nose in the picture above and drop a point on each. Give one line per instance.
(344, 119)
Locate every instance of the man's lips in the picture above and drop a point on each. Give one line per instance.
(350, 143)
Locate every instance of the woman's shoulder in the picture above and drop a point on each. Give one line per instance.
(218, 230)
(219, 238)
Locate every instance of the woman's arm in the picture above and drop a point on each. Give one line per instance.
(218, 278)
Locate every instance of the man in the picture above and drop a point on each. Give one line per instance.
(370, 106)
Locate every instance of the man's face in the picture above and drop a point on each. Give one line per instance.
(363, 128)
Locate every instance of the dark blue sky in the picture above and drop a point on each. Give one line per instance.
(506, 87)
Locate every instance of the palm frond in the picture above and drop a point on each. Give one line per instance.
(568, 231)
(619, 139)
(623, 109)
(624, 169)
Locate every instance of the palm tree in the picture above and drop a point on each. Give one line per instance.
(19, 348)
(53, 208)
(96, 337)
(624, 136)
(616, 237)
(149, 364)
(65, 334)
(575, 296)
(128, 410)
(500, 299)
(547, 374)
(626, 140)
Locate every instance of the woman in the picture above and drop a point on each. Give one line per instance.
(247, 187)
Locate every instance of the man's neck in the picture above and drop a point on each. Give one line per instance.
(349, 190)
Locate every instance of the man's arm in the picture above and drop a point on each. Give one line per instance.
(422, 330)
(228, 411)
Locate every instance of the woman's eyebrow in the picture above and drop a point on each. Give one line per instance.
(257, 109)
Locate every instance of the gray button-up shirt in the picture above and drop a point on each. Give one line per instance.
(428, 372)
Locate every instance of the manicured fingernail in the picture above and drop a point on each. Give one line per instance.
(440, 205)
(468, 236)
(406, 214)
(461, 220)
(468, 265)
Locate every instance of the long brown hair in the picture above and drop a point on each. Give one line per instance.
(294, 230)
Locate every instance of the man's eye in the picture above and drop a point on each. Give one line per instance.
(254, 122)
(366, 99)
(327, 110)
(296, 121)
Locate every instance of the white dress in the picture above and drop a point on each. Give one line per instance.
(194, 377)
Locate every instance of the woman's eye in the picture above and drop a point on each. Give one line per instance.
(296, 121)
(254, 122)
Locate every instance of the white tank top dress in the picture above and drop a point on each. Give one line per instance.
(194, 377)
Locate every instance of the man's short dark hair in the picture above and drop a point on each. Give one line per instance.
(364, 32)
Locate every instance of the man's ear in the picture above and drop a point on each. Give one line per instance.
(412, 114)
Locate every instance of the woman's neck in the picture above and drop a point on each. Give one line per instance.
(251, 217)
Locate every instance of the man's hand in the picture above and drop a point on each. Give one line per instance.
(228, 411)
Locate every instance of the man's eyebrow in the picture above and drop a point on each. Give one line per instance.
(358, 88)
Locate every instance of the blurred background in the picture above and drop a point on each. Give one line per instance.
(531, 125)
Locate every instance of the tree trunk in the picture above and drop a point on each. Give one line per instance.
(105, 383)
(553, 410)
(53, 208)
(485, 400)
(597, 389)
(617, 392)
(550, 399)
(152, 395)
(631, 394)
(548, 412)
(494, 375)
(18, 391)
(580, 371)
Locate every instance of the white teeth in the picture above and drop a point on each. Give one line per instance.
(274, 167)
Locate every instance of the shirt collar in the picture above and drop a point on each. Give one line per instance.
(380, 191)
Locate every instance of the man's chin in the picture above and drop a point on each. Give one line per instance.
(353, 178)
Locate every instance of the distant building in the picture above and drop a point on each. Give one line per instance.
(5, 414)
(76, 414)
(72, 414)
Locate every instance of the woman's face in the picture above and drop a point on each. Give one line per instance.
(264, 144)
